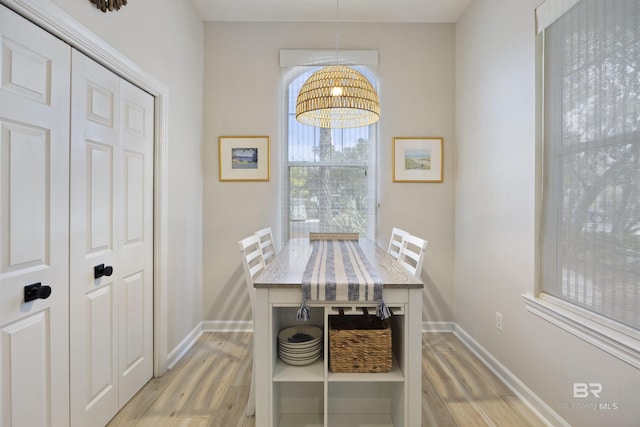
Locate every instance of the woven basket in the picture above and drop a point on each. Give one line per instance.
(359, 344)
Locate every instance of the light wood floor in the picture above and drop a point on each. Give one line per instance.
(209, 387)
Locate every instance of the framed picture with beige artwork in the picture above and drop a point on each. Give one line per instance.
(417, 159)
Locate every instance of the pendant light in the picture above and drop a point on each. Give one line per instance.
(337, 96)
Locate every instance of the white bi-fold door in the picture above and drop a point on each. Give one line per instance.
(72, 197)
(111, 242)
(34, 224)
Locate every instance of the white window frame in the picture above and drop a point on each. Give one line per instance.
(290, 59)
(616, 339)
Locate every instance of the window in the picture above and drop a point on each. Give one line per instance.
(329, 177)
(591, 192)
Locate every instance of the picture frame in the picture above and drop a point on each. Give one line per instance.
(244, 158)
(418, 159)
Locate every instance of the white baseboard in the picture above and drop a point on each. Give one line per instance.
(206, 326)
(537, 405)
(438, 326)
(176, 354)
(227, 326)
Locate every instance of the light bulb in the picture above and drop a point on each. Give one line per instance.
(336, 91)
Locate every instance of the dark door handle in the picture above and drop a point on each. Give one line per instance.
(36, 291)
(102, 270)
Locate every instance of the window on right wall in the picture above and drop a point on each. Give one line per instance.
(590, 231)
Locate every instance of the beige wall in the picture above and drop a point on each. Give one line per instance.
(242, 97)
(495, 220)
(474, 81)
(166, 40)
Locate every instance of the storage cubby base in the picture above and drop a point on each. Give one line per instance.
(366, 403)
(360, 420)
(313, 396)
(297, 420)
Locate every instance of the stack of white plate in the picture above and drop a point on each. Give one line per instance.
(300, 345)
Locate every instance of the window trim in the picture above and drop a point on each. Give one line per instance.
(612, 337)
(297, 57)
(550, 10)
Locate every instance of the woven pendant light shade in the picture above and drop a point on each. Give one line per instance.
(337, 96)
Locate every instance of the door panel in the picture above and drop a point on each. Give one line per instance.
(100, 379)
(25, 150)
(34, 223)
(99, 193)
(101, 101)
(30, 397)
(136, 241)
(26, 71)
(132, 343)
(111, 224)
(133, 232)
(93, 315)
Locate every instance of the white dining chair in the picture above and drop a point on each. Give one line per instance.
(267, 247)
(395, 243)
(412, 254)
(253, 264)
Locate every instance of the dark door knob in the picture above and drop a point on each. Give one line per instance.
(36, 291)
(102, 270)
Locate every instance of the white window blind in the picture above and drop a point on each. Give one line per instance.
(591, 195)
(329, 178)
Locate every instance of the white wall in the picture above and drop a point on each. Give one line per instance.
(495, 220)
(167, 40)
(242, 97)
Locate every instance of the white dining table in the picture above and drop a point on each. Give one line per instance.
(278, 297)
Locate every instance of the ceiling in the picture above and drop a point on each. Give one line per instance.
(325, 10)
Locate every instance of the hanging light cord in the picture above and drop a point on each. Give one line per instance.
(337, 32)
(337, 96)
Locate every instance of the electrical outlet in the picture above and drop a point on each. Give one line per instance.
(498, 320)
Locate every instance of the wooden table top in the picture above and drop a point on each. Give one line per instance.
(287, 268)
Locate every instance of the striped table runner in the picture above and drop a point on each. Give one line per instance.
(338, 270)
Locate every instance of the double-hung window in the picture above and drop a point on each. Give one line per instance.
(329, 176)
(590, 251)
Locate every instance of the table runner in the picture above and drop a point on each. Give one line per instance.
(338, 270)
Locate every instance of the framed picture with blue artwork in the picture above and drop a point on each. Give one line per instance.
(417, 159)
(244, 158)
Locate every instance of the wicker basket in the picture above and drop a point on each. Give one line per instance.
(359, 344)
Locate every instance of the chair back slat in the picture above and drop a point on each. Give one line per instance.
(252, 263)
(395, 243)
(412, 254)
(267, 247)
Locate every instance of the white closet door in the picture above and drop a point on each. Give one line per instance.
(94, 204)
(135, 304)
(34, 224)
(111, 224)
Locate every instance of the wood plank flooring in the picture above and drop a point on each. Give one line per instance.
(209, 387)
